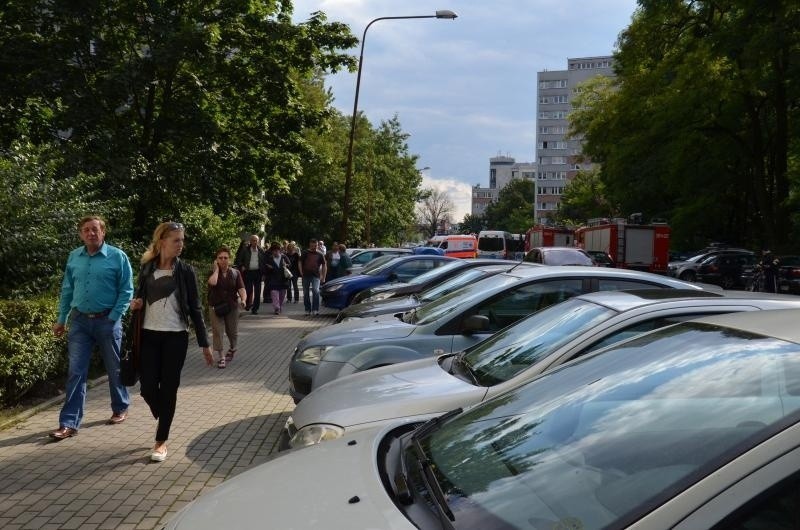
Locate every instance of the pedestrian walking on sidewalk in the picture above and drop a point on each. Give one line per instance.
(167, 293)
(226, 295)
(293, 292)
(276, 282)
(95, 293)
(250, 262)
(313, 270)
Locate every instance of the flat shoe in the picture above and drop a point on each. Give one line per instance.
(63, 433)
(118, 418)
(158, 456)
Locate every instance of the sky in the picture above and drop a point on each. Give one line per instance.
(464, 89)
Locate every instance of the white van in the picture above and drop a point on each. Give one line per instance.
(494, 244)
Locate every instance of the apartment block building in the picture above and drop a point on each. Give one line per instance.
(502, 170)
(558, 158)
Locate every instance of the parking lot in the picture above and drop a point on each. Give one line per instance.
(227, 421)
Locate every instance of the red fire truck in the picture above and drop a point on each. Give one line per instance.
(548, 236)
(642, 247)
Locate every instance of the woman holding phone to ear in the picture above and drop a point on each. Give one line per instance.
(226, 294)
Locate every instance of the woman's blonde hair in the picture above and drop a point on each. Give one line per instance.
(161, 231)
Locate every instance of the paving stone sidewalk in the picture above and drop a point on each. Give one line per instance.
(226, 421)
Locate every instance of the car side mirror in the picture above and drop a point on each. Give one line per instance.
(393, 277)
(474, 324)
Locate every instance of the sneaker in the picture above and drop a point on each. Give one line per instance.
(308, 313)
(158, 456)
(316, 313)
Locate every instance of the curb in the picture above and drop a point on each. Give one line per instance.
(27, 413)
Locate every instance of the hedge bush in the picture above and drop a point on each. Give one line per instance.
(29, 352)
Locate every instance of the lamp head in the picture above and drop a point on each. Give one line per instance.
(445, 13)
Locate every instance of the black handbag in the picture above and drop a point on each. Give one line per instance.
(221, 309)
(129, 364)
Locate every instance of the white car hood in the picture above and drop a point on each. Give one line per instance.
(402, 390)
(358, 331)
(315, 488)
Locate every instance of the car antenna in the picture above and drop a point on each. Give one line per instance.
(517, 264)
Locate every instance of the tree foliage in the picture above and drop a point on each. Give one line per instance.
(174, 103)
(701, 124)
(584, 197)
(513, 209)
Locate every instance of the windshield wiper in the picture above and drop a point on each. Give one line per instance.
(465, 367)
(426, 466)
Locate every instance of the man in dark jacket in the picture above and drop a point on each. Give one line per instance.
(250, 262)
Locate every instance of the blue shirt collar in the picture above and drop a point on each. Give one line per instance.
(102, 250)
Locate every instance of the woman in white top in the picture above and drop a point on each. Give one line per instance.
(167, 294)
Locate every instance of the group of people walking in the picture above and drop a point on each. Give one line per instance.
(97, 290)
(281, 266)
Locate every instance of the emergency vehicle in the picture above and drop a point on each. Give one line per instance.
(631, 245)
(548, 236)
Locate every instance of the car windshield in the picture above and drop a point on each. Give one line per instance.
(436, 273)
(564, 256)
(453, 284)
(517, 347)
(376, 263)
(491, 244)
(599, 442)
(461, 298)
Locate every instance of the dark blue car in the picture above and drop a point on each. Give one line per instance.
(339, 293)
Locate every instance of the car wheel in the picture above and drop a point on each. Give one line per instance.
(728, 282)
(687, 276)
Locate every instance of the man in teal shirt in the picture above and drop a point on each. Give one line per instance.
(95, 293)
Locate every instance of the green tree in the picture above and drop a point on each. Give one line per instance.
(473, 224)
(513, 209)
(172, 102)
(584, 198)
(700, 127)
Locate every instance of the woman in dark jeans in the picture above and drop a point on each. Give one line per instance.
(167, 294)
(293, 293)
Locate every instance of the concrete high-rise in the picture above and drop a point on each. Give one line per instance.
(502, 170)
(558, 159)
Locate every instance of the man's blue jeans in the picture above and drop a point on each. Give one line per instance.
(311, 302)
(84, 334)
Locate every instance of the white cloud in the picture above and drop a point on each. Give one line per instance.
(459, 192)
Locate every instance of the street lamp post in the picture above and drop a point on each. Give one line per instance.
(348, 176)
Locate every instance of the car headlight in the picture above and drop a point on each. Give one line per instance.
(313, 354)
(333, 288)
(314, 434)
(379, 296)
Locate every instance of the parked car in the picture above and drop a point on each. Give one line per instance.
(601, 259)
(338, 293)
(360, 259)
(725, 269)
(402, 304)
(559, 256)
(789, 274)
(687, 270)
(452, 323)
(562, 332)
(424, 281)
(695, 425)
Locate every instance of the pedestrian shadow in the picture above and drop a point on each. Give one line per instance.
(43, 437)
(233, 447)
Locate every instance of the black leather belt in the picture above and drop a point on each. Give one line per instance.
(101, 314)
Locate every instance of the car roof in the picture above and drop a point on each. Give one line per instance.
(626, 300)
(599, 272)
(385, 249)
(778, 323)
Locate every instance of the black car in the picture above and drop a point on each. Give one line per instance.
(725, 269)
(789, 274)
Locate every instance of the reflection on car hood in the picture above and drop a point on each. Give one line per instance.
(397, 391)
(381, 307)
(332, 485)
(358, 331)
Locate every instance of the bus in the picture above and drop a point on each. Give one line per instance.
(495, 244)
